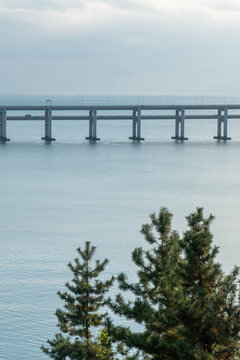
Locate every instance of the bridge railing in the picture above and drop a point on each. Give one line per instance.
(111, 100)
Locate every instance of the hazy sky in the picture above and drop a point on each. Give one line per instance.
(120, 46)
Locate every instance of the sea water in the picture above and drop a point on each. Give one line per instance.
(54, 197)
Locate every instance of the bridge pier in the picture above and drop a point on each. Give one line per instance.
(136, 126)
(92, 126)
(3, 126)
(222, 125)
(180, 126)
(48, 125)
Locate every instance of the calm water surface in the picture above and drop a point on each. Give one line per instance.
(54, 197)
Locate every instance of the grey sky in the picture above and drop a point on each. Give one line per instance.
(120, 46)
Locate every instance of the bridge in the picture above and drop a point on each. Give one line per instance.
(135, 113)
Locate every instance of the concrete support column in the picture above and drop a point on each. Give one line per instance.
(93, 126)
(180, 126)
(225, 124)
(48, 125)
(3, 125)
(90, 123)
(134, 125)
(222, 120)
(94, 129)
(137, 119)
(177, 123)
(219, 125)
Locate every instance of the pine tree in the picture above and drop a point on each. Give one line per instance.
(210, 312)
(188, 308)
(156, 294)
(81, 318)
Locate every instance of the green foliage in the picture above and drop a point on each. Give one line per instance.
(210, 312)
(185, 307)
(156, 293)
(103, 345)
(81, 316)
(188, 309)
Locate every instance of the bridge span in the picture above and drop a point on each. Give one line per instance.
(135, 113)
